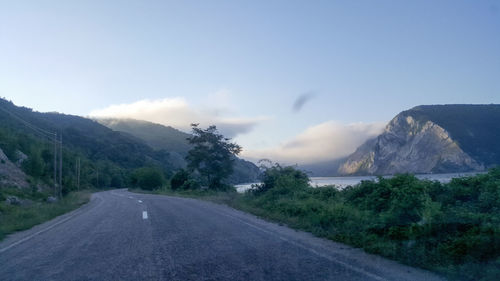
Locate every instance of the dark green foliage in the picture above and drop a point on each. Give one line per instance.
(34, 165)
(452, 228)
(180, 180)
(148, 178)
(399, 199)
(191, 184)
(287, 177)
(212, 156)
(86, 136)
(107, 157)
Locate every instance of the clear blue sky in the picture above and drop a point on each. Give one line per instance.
(365, 61)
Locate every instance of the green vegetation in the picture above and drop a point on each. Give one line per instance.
(276, 176)
(148, 178)
(183, 180)
(452, 228)
(39, 163)
(34, 208)
(107, 158)
(211, 157)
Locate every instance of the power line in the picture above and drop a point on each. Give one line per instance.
(51, 136)
(30, 125)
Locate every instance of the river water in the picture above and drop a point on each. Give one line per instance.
(342, 182)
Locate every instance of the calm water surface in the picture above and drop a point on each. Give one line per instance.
(342, 182)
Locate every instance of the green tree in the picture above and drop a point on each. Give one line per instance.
(148, 178)
(212, 155)
(34, 165)
(178, 179)
(275, 175)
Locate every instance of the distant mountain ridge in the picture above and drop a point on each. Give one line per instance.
(174, 143)
(155, 135)
(432, 139)
(322, 169)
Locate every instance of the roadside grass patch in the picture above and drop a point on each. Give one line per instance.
(20, 217)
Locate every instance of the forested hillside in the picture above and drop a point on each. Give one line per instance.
(106, 156)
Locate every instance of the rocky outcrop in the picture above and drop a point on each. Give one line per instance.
(409, 145)
(10, 174)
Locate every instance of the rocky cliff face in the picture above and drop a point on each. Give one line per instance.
(10, 174)
(410, 144)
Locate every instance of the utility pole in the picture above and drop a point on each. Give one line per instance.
(78, 173)
(55, 164)
(60, 168)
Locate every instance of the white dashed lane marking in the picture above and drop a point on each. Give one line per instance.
(144, 215)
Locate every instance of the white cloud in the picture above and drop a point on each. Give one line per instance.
(323, 142)
(178, 113)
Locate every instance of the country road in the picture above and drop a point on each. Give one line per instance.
(127, 236)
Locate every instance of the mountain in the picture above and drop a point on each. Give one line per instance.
(174, 143)
(323, 169)
(432, 139)
(106, 156)
(155, 135)
(161, 138)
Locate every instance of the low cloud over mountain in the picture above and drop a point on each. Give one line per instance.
(178, 113)
(323, 142)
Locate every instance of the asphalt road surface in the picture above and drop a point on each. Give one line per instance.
(127, 236)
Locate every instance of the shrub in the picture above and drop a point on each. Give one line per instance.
(147, 178)
(287, 177)
(178, 179)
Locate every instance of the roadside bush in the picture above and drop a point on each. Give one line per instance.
(183, 180)
(451, 228)
(178, 179)
(287, 177)
(148, 178)
(191, 184)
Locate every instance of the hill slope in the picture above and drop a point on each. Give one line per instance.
(432, 139)
(100, 148)
(155, 135)
(175, 144)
